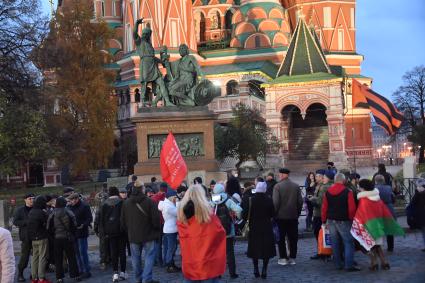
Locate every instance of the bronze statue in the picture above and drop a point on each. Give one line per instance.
(181, 85)
(185, 77)
(149, 71)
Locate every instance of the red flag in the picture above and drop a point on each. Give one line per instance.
(173, 167)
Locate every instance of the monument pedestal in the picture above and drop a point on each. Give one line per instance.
(193, 129)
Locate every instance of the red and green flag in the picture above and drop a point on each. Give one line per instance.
(372, 221)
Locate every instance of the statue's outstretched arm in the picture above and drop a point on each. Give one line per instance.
(136, 35)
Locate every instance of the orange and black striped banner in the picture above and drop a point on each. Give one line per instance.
(384, 112)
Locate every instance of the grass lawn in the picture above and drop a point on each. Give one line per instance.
(84, 188)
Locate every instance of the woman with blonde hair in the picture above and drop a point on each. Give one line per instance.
(202, 238)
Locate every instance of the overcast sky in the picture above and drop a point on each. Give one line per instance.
(390, 35)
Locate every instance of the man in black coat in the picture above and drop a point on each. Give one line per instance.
(37, 233)
(21, 221)
(84, 219)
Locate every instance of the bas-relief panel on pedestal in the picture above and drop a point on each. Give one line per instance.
(190, 145)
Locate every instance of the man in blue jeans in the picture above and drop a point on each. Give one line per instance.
(84, 218)
(338, 209)
(141, 220)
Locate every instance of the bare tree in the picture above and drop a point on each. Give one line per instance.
(410, 99)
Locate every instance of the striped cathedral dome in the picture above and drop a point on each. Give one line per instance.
(260, 24)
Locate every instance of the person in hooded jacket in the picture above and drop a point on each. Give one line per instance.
(37, 233)
(338, 210)
(62, 226)
(140, 218)
(169, 213)
(259, 210)
(110, 220)
(223, 206)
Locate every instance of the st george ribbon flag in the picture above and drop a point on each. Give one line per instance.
(173, 166)
(385, 113)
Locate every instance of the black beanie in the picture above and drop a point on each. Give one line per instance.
(366, 184)
(60, 202)
(113, 191)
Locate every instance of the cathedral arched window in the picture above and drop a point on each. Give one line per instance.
(121, 98)
(228, 20)
(127, 97)
(103, 8)
(136, 95)
(232, 88)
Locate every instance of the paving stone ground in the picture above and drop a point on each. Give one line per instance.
(407, 265)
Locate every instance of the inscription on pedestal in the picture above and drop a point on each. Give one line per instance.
(190, 145)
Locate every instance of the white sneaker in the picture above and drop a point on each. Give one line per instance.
(292, 261)
(123, 275)
(115, 277)
(282, 261)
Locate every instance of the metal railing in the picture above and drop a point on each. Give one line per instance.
(405, 189)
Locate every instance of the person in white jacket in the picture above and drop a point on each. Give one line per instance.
(169, 213)
(7, 257)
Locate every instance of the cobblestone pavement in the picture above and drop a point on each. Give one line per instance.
(407, 265)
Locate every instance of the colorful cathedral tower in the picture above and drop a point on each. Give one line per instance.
(292, 59)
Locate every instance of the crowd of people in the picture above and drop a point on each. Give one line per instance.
(155, 220)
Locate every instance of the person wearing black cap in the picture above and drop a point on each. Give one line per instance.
(21, 221)
(331, 167)
(288, 203)
(68, 191)
(62, 225)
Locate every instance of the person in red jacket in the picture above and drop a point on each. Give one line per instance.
(338, 210)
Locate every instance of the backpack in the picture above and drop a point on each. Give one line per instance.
(112, 225)
(223, 213)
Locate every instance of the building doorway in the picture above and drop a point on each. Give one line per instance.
(308, 136)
